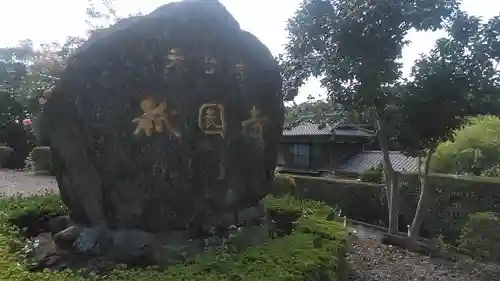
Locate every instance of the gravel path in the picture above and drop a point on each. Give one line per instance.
(369, 260)
(14, 182)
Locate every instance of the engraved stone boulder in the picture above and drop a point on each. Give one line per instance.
(166, 122)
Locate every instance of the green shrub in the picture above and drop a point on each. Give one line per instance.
(20, 140)
(284, 184)
(492, 172)
(370, 176)
(41, 159)
(480, 237)
(5, 153)
(358, 200)
(374, 175)
(474, 150)
(453, 201)
(314, 251)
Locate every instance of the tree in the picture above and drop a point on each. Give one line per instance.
(26, 71)
(355, 46)
(13, 69)
(101, 14)
(475, 149)
(11, 74)
(454, 81)
(12, 107)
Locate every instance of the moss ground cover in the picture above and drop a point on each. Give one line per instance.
(315, 250)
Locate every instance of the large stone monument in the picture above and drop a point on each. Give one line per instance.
(163, 123)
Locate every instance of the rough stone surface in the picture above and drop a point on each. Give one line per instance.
(165, 121)
(43, 247)
(58, 223)
(66, 237)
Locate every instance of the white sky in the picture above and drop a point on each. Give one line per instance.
(45, 21)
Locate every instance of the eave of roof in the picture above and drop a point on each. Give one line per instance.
(309, 129)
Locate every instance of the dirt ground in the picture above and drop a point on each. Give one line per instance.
(368, 259)
(371, 261)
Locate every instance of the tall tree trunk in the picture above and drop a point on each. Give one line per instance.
(391, 177)
(425, 195)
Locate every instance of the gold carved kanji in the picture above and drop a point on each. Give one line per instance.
(154, 118)
(254, 126)
(211, 119)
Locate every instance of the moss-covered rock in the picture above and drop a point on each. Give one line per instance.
(315, 250)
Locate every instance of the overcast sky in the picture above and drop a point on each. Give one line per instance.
(46, 21)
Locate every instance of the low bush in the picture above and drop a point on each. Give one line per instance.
(358, 200)
(284, 184)
(314, 251)
(5, 152)
(20, 140)
(480, 237)
(40, 159)
(374, 175)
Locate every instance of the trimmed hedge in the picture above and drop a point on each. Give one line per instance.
(314, 251)
(455, 199)
(40, 159)
(480, 237)
(5, 152)
(358, 200)
(374, 175)
(20, 140)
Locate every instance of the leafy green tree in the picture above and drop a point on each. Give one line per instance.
(26, 71)
(456, 80)
(355, 45)
(312, 111)
(12, 71)
(474, 151)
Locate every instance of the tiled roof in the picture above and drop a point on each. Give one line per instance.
(369, 159)
(353, 132)
(309, 129)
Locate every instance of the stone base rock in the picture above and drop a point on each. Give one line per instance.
(77, 246)
(167, 135)
(66, 237)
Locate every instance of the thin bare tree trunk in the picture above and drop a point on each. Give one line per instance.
(425, 196)
(391, 178)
